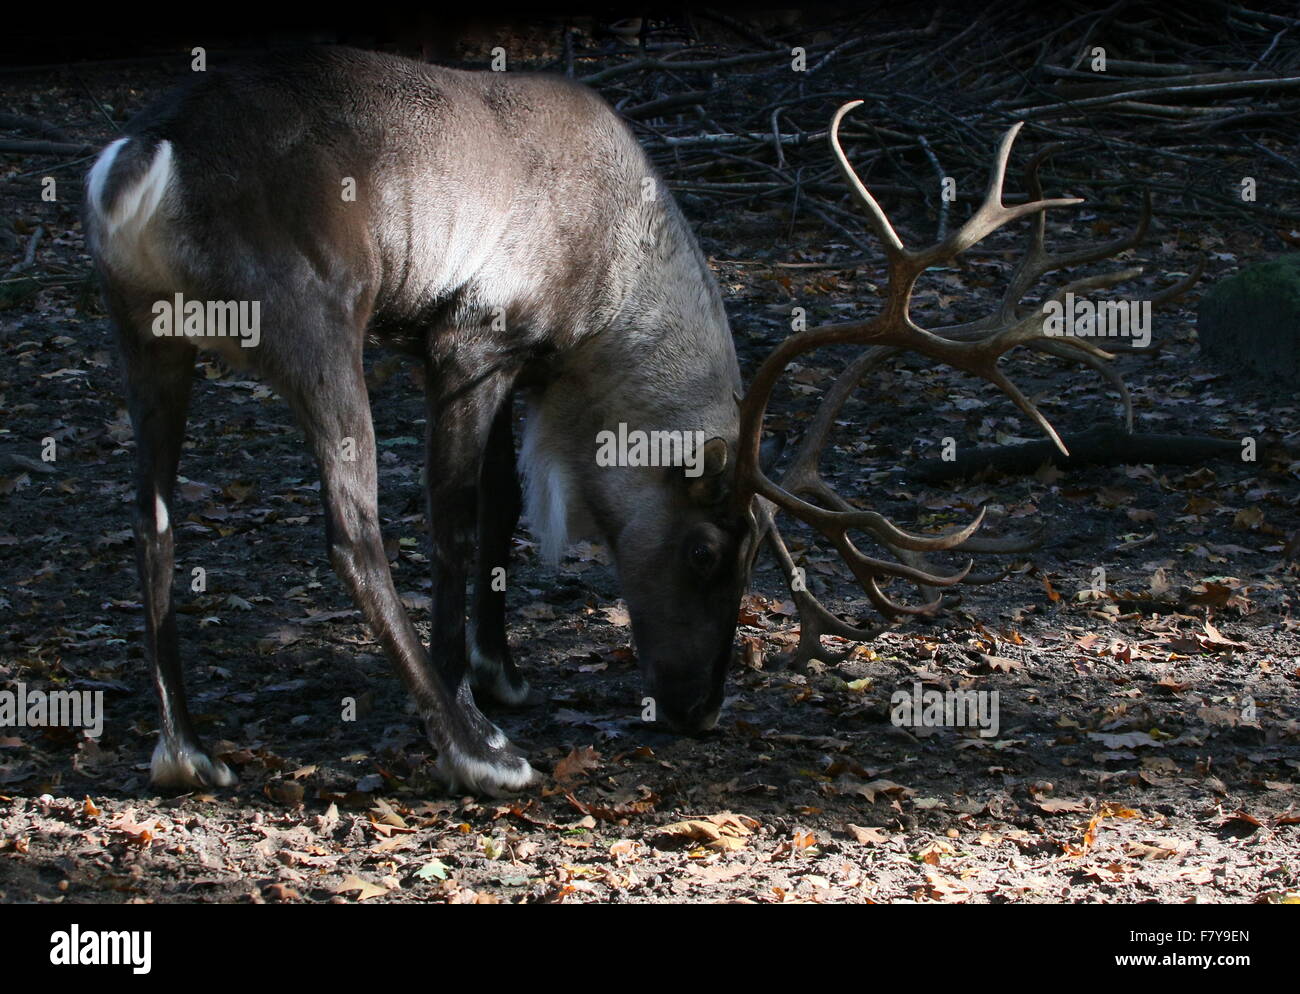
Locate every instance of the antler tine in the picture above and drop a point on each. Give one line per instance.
(814, 618)
(1002, 545)
(842, 517)
(1026, 405)
(1032, 266)
(1037, 262)
(985, 352)
(1097, 252)
(906, 265)
(1107, 249)
(1029, 332)
(890, 534)
(992, 213)
(875, 215)
(890, 608)
(861, 565)
(802, 477)
(1107, 373)
(977, 545)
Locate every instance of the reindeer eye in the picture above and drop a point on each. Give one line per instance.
(701, 557)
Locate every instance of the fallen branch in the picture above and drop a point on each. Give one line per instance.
(1200, 89)
(43, 148)
(674, 100)
(637, 65)
(1106, 446)
(20, 122)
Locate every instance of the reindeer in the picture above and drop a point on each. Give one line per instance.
(509, 231)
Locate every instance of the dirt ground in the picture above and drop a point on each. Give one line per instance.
(1149, 736)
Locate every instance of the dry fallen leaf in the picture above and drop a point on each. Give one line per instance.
(1157, 848)
(284, 791)
(365, 889)
(940, 888)
(866, 836)
(718, 832)
(933, 852)
(712, 874)
(870, 790)
(1062, 805)
(138, 834)
(1000, 664)
(1243, 818)
(617, 615)
(577, 763)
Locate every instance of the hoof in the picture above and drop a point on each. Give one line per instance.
(180, 767)
(492, 772)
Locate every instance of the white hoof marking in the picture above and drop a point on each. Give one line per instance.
(173, 767)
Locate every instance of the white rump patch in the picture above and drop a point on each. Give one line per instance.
(99, 174)
(123, 221)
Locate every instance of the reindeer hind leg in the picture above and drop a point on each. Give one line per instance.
(159, 373)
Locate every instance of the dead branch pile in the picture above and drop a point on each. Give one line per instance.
(1205, 95)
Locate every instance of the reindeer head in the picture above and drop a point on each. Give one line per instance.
(684, 541)
(662, 498)
(684, 565)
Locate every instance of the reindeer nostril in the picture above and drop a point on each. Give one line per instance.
(700, 715)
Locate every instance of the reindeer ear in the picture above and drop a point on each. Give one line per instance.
(715, 457)
(710, 486)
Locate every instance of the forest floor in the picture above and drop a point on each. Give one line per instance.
(1148, 740)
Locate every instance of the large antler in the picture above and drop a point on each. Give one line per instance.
(974, 347)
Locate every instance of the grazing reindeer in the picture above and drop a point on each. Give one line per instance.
(509, 230)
